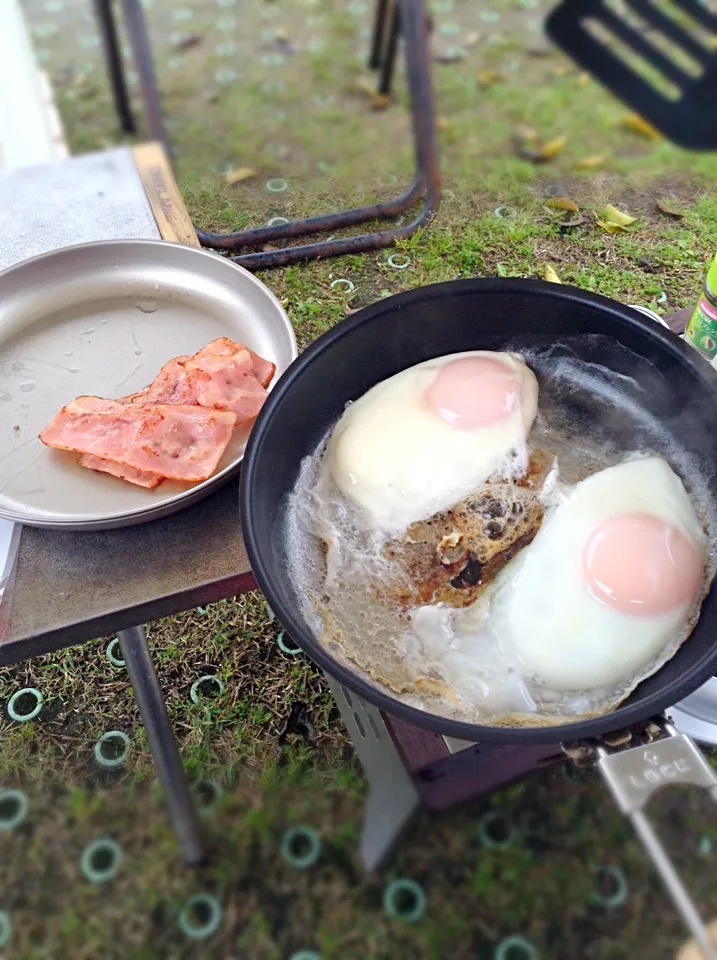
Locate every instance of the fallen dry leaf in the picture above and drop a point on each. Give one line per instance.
(564, 211)
(640, 126)
(583, 80)
(562, 203)
(561, 71)
(239, 175)
(552, 148)
(668, 211)
(550, 275)
(486, 78)
(471, 39)
(615, 216)
(379, 101)
(610, 227)
(592, 162)
(541, 153)
(443, 125)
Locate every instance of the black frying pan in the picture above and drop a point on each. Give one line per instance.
(673, 383)
(677, 385)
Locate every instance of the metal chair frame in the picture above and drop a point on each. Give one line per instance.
(393, 18)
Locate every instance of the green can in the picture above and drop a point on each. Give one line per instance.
(701, 331)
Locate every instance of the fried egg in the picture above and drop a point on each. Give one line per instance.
(425, 438)
(608, 588)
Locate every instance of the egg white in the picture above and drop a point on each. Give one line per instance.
(543, 609)
(401, 462)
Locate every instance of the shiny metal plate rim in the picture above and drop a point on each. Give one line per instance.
(144, 247)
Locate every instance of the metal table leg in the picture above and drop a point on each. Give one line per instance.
(378, 37)
(414, 26)
(142, 54)
(165, 753)
(115, 69)
(389, 55)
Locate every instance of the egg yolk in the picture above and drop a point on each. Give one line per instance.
(641, 565)
(474, 392)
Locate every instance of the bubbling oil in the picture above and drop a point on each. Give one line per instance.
(449, 661)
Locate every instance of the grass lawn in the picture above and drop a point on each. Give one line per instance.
(278, 87)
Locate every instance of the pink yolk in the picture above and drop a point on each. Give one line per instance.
(474, 392)
(641, 566)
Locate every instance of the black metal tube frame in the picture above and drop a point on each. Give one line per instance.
(165, 753)
(393, 17)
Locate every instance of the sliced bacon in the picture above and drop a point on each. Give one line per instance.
(134, 397)
(180, 442)
(263, 369)
(169, 386)
(224, 347)
(222, 375)
(152, 442)
(142, 478)
(226, 382)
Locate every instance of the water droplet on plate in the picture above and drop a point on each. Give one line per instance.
(69, 353)
(27, 385)
(147, 306)
(88, 331)
(138, 351)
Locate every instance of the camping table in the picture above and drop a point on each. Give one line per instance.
(67, 588)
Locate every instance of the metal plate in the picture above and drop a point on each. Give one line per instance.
(101, 319)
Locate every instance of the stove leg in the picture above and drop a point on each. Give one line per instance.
(393, 799)
(165, 752)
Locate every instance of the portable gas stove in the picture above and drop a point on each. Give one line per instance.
(408, 768)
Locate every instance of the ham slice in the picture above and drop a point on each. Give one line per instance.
(169, 386)
(172, 427)
(222, 375)
(177, 441)
(224, 347)
(226, 382)
(142, 478)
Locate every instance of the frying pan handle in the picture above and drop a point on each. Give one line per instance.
(633, 776)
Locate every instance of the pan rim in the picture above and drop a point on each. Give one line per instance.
(625, 715)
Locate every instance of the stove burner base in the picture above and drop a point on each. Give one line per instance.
(408, 768)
